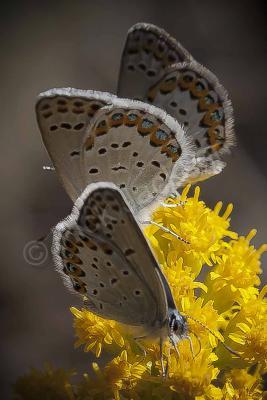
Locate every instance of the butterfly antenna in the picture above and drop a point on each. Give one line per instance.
(48, 168)
(217, 337)
(165, 230)
(45, 237)
(171, 205)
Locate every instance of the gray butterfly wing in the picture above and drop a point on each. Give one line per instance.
(139, 148)
(193, 95)
(148, 51)
(102, 254)
(63, 115)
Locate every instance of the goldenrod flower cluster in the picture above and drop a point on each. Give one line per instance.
(215, 280)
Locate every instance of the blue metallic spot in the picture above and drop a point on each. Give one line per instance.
(161, 135)
(147, 124)
(67, 253)
(173, 149)
(208, 99)
(200, 86)
(71, 267)
(132, 117)
(217, 115)
(117, 116)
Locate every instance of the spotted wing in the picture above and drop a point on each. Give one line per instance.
(63, 115)
(139, 148)
(102, 254)
(193, 95)
(148, 51)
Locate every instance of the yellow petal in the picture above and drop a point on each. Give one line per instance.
(236, 338)
(98, 349)
(229, 388)
(117, 337)
(244, 327)
(89, 346)
(108, 338)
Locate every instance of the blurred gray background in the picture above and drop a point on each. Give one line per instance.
(78, 43)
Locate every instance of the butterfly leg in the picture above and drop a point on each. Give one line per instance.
(191, 345)
(161, 357)
(168, 358)
(175, 347)
(141, 347)
(165, 230)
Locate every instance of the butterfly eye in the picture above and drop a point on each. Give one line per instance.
(177, 324)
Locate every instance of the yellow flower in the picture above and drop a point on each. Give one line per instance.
(227, 306)
(194, 221)
(190, 376)
(180, 278)
(95, 332)
(247, 330)
(236, 274)
(52, 384)
(240, 385)
(208, 316)
(120, 374)
(215, 283)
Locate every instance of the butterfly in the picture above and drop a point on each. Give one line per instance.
(155, 68)
(93, 136)
(147, 152)
(103, 256)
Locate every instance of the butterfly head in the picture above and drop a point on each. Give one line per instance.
(178, 328)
